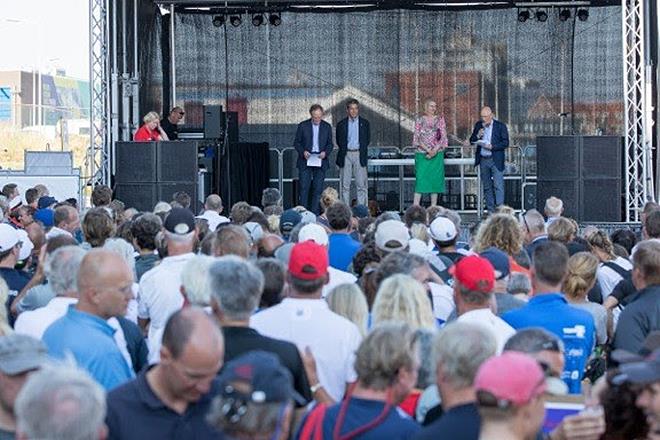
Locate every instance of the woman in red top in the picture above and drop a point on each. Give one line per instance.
(151, 130)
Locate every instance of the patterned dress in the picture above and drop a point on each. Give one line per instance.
(430, 173)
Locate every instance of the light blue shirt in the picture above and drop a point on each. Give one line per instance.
(315, 138)
(488, 133)
(353, 134)
(89, 339)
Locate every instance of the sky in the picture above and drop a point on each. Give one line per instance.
(45, 34)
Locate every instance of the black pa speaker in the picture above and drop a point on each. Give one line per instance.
(214, 122)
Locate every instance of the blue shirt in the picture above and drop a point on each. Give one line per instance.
(575, 327)
(488, 134)
(315, 138)
(460, 422)
(353, 134)
(397, 425)
(90, 340)
(341, 249)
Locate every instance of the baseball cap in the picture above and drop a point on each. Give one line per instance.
(46, 202)
(15, 203)
(499, 260)
(392, 236)
(442, 229)
(314, 232)
(180, 221)
(644, 372)
(307, 217)
(255, 231)
(475, 273)
(360, 211)
(267, 379)
(162, 207)
(510, 379)
(9, 237)
(21, 353)
(308, 261)
(26, 245)
(289, 219)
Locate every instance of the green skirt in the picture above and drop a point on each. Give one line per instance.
(430, 173)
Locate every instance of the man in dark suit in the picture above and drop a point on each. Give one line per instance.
(353, 137)
(494, 138)
(314, 144)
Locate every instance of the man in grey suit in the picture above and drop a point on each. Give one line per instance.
(353, 137)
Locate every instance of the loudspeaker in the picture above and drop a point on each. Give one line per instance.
(148, 172)
(232, 127)
(584, 172)
(214, 122)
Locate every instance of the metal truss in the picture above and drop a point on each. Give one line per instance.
(97, 161)
(637, 108)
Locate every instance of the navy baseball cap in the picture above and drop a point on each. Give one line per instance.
(266, 378)
(289, 219)
(46, 202)
(499, 260)
(644, 372)
(180, 221)
(360, 211)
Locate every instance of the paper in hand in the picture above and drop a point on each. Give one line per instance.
(314, 160)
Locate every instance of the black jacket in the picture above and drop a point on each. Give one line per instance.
(640, 317)
(364, 132)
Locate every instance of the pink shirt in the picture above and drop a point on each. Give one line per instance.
(426, 133)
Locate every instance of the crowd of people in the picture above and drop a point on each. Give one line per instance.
(273, 324)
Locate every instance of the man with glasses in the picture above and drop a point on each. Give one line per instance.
(172, 398)
(171, 124)
(533, 228)
(105, 285)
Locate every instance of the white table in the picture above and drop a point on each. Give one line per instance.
(461, 162)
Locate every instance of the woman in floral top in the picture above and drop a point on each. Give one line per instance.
(430, 139)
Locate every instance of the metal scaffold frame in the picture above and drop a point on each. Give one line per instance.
(637, 108)
(97, 163)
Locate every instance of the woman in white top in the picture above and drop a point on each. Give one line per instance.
(612, 268)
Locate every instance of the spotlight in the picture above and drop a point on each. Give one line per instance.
(523, 16)
(258, 19)
(275, 19)
(564, 14)
(235, 20)
(583, 14)
(218, 20)
(541, 15)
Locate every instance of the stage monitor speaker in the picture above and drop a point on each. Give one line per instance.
(585, 172)
(214, 122)
(141, 196)
(177, 161)
(134, 162)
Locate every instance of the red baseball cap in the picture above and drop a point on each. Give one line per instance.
(512, 378)
(475, 273)
(308, 261)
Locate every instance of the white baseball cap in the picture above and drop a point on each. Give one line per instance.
(9, 237)
(442, 229)
(314, 232)
(392, 235)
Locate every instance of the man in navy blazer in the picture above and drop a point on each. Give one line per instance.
(490, 156)
(353, 137)
(313, 138)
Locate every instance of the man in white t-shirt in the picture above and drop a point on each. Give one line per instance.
(474, 280)
(160, 295)
(212, 209)
(305, 319)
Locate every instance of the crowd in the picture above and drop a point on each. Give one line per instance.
(351, 324)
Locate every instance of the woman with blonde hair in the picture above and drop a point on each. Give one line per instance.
(503, 232)
(580, 278)
(151, 129)
(328, 197)
(430, 140)
(347, 300)
(562, 230)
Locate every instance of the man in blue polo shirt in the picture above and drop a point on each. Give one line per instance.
(548, 309)
(342, 247)
(104, 286)
(170, 400)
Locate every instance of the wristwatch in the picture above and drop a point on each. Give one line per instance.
(315, 388)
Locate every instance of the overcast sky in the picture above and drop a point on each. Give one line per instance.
(45, 33)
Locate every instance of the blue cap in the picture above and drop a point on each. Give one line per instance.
(499, 260)
(289, 219)
(45, 216)
(360, 211)
(46, 202)
(267, 378)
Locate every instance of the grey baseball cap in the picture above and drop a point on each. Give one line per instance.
(21, 353)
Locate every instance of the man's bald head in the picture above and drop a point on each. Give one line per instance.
(486, 114)
(104, 284)
(268, 244)
(192, 329)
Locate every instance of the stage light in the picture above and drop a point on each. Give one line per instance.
(218, 20)
(583, 14)
(235, 20)
(275, 19)
(523, 16)
(257, 19)
(564, 14)
(541, 15)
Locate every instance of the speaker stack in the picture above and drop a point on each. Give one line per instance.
(149, 172)
(585, 172)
